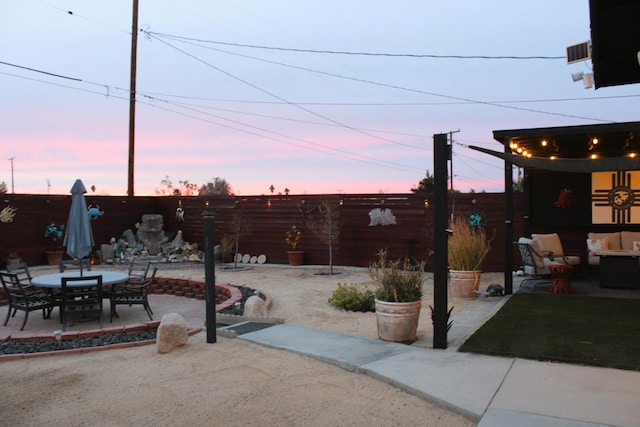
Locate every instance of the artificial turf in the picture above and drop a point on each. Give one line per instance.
(574, 329)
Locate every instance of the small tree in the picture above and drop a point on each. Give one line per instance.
(426, 185)
(3, 187)
(239, 227)
(325, 224)
(217, 187)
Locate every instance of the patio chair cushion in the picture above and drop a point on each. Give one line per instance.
(538, 260)
(549, 243)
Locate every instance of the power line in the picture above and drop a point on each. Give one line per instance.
(151, 101)
(40, 71)
(342, 52)
(390, 86)
(394, 104)
(254, 86)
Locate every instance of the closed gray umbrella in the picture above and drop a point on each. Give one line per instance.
(78, 238)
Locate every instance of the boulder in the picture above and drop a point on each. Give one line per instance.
(171, 333)
(255, 306)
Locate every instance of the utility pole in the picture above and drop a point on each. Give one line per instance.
(132, 96)
(451, 159)
(13, 191)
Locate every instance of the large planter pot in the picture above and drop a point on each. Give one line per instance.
(463, 284)
(295, 257)
(54, 257)
(398, 321)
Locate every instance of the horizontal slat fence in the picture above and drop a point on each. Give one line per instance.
(269, 216)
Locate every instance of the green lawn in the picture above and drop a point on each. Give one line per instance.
(574, 329)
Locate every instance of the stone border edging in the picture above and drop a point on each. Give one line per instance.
(135, 327)
(188, 288)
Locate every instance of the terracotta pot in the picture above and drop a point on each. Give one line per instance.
(54, 257)
(295, 257)
(397, 321)
(463, 284)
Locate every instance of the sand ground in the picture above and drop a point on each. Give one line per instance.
(231, 382)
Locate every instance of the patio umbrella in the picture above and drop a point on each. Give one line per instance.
(79, 238)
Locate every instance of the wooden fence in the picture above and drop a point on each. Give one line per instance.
(269, 217)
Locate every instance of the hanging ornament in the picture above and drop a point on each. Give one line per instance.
(94, 211)
(179, 212)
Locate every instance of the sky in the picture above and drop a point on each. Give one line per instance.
(314, 97)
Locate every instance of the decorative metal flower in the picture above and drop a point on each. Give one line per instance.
(7, 214)
(292, 237)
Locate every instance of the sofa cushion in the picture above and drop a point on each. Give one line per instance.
(615, 243)
(627, 238)
(549, 243)
(569, 260)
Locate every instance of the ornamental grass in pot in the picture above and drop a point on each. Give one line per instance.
(398, 297)
(468, 247)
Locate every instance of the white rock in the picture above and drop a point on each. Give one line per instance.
(172, 332)
(255, 306)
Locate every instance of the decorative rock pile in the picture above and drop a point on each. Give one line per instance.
(150, 242)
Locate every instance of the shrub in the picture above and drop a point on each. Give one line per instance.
(352, 298)
(398, 281)
(468, 246)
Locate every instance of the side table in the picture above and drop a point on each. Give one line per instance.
(560, 274)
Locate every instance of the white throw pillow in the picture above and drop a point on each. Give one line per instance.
(636, 245)
(596, 245)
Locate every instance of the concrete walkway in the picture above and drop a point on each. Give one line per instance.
(492, 390)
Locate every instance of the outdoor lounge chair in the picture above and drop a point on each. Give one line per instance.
(24, 297)
(533, 263)
(135, 292)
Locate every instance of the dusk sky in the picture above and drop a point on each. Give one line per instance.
(316, 97)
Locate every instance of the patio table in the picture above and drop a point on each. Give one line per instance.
(54, 280)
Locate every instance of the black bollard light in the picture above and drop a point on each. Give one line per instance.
(208, 218)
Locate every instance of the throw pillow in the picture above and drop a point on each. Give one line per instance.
(636, 245)
(596, 245)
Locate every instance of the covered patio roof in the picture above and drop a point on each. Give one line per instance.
(587, 148)
(582, 149)
(575, 142)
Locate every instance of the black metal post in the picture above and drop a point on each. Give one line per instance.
(208, 218)
(441, 153)
(508, 223)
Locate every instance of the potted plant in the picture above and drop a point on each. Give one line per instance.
(13, 259)
(468, 247)
(53, 233)
(292, 237)
(398, 297)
